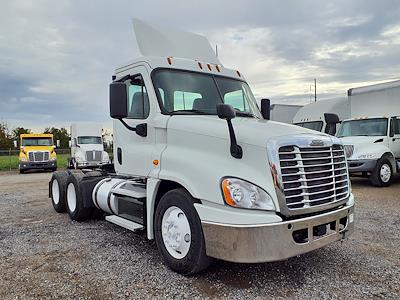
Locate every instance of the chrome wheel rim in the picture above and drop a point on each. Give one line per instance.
(176, 233)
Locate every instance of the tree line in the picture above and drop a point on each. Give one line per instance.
(8, 136)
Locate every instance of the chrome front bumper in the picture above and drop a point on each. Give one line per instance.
(276, 241)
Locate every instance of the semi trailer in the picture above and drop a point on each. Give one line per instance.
(201, 170)
(372, 134)
(284, 112)
(87, 148)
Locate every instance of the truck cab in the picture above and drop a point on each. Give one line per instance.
(37, 151)
(87, 148)
(372, 147)
(202, 171)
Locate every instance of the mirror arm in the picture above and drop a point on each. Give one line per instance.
(140, 129)
(236, 150)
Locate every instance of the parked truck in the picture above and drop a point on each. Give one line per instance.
(37, 151)
(312, 115)
(200, 170)
(372, 135)
(87, 148)
(284, 112)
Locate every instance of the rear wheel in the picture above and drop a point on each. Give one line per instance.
(58, 184)
(75, 204)
(382, 174)
(178, 233)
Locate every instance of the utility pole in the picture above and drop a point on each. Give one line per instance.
(315, 89)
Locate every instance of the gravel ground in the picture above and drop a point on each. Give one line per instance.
(46, 255)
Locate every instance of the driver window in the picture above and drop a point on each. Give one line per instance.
(396, 125)
(138, 100)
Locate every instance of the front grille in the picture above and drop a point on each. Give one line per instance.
(94, 155)
(348, 150)
(38, 156)
(313, 176)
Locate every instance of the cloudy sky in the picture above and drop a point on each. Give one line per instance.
(57, 57)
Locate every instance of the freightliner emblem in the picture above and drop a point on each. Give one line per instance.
(317, 143)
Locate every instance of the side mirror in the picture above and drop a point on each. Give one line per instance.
(331, 120)
(69, 143)
(15, 144)
(266, 109)
(227, 112)
(58, 143)
(118, 100)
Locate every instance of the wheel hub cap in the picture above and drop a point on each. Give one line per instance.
(176, 232)
(385, 173)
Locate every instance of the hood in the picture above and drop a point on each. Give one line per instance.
(248, 130)
(358, 140)
(38, 148)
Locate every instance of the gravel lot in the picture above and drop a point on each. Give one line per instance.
(46, 255)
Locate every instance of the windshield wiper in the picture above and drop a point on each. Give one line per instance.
(194, 111)
(244, 114)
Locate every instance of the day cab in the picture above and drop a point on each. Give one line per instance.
(37, 151)
(200, 168)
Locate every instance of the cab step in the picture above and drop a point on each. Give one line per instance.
(133, 226)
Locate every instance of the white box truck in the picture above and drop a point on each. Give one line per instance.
(372, 135)
(200, 170)
(312, 115)
(284, 112)
(87, 149)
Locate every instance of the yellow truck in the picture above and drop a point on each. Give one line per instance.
(37, 151)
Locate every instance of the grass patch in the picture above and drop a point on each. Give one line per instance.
(11, 162)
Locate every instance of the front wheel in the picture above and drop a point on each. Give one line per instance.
(178, 233)
(382, 174)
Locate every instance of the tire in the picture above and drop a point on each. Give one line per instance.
(382, 174)
(188, 255)
(21, 171)
(74, 199)
(58, 185)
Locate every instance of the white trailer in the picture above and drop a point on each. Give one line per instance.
(201, 170)
(284, 112)
(372, 135)
(87, 150)
(312, 115)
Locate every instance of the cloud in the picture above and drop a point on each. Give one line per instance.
(56, 59)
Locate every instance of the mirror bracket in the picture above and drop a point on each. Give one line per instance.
(140, 129)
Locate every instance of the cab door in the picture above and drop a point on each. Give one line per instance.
(394, 139)
(132, 151)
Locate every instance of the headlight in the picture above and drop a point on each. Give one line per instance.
(79, 158)
(240, 193)
(53, 158)
(367, 156)
(105, 156)
(23, 158)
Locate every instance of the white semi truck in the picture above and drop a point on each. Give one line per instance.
(284, 112)
(200, 170)
(372, 135)
(87, 149)
(313, 116)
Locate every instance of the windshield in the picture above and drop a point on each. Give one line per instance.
(364, 127)
(37, 142)
(182, 92)
(89, 140)
(316, 125)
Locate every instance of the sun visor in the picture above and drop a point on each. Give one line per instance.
(165, 43)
